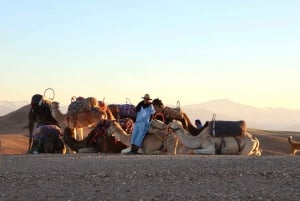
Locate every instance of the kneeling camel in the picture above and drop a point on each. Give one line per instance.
(157, 141)
(204, 143)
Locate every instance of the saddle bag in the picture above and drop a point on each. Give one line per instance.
(127, 110)
(227, 128)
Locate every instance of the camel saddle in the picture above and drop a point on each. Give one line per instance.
(173, 113)
(127, 110)
(227, 128)
(81, 104)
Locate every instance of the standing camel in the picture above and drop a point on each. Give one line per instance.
(81, 113)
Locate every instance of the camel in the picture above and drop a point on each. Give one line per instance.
(98, 140)
(47, 139)
(39, 114)
(204, 143)
(157, 140)
(81, 113)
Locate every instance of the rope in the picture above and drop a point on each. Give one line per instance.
(127, 100)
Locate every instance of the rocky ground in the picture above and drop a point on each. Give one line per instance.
(140, 177)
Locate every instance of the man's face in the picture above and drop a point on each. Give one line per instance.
(146, 100)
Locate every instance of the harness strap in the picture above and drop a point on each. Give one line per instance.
(220, 147)
(95, 136)
(214, 124)
(238, 141)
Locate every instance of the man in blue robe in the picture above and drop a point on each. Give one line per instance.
(144, 113)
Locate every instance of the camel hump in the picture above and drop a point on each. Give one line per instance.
(227, 128)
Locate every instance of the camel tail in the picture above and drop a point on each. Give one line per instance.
(257, 149)
(290, 139)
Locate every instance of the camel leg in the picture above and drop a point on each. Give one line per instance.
(156, 152)
(176, 146)
(75, 133)
(80, 136)
(69, 150)
(251, 147)
(87, 150)
(209, 151)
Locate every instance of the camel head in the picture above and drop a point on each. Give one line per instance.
(175, 125)
(113, 128)
(54, 105)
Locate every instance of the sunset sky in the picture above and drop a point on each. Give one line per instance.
(188, 50)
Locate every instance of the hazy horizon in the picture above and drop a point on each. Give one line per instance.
(261, 118)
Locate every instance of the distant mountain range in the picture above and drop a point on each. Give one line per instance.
(10, 106)
(261, 118)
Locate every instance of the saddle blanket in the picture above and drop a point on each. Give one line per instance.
(45, 130)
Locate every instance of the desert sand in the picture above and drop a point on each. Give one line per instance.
(272, 176)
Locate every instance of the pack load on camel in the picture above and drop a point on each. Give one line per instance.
(40, 112)
(121, 111)
(168, 114)
(84, 105)
(219, 128)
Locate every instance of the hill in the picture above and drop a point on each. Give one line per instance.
(15, 122)
(9, 106)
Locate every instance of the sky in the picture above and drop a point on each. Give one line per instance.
(190, 51)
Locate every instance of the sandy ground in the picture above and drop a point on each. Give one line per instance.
(13, 144)
(273, 176)
(120, 177)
